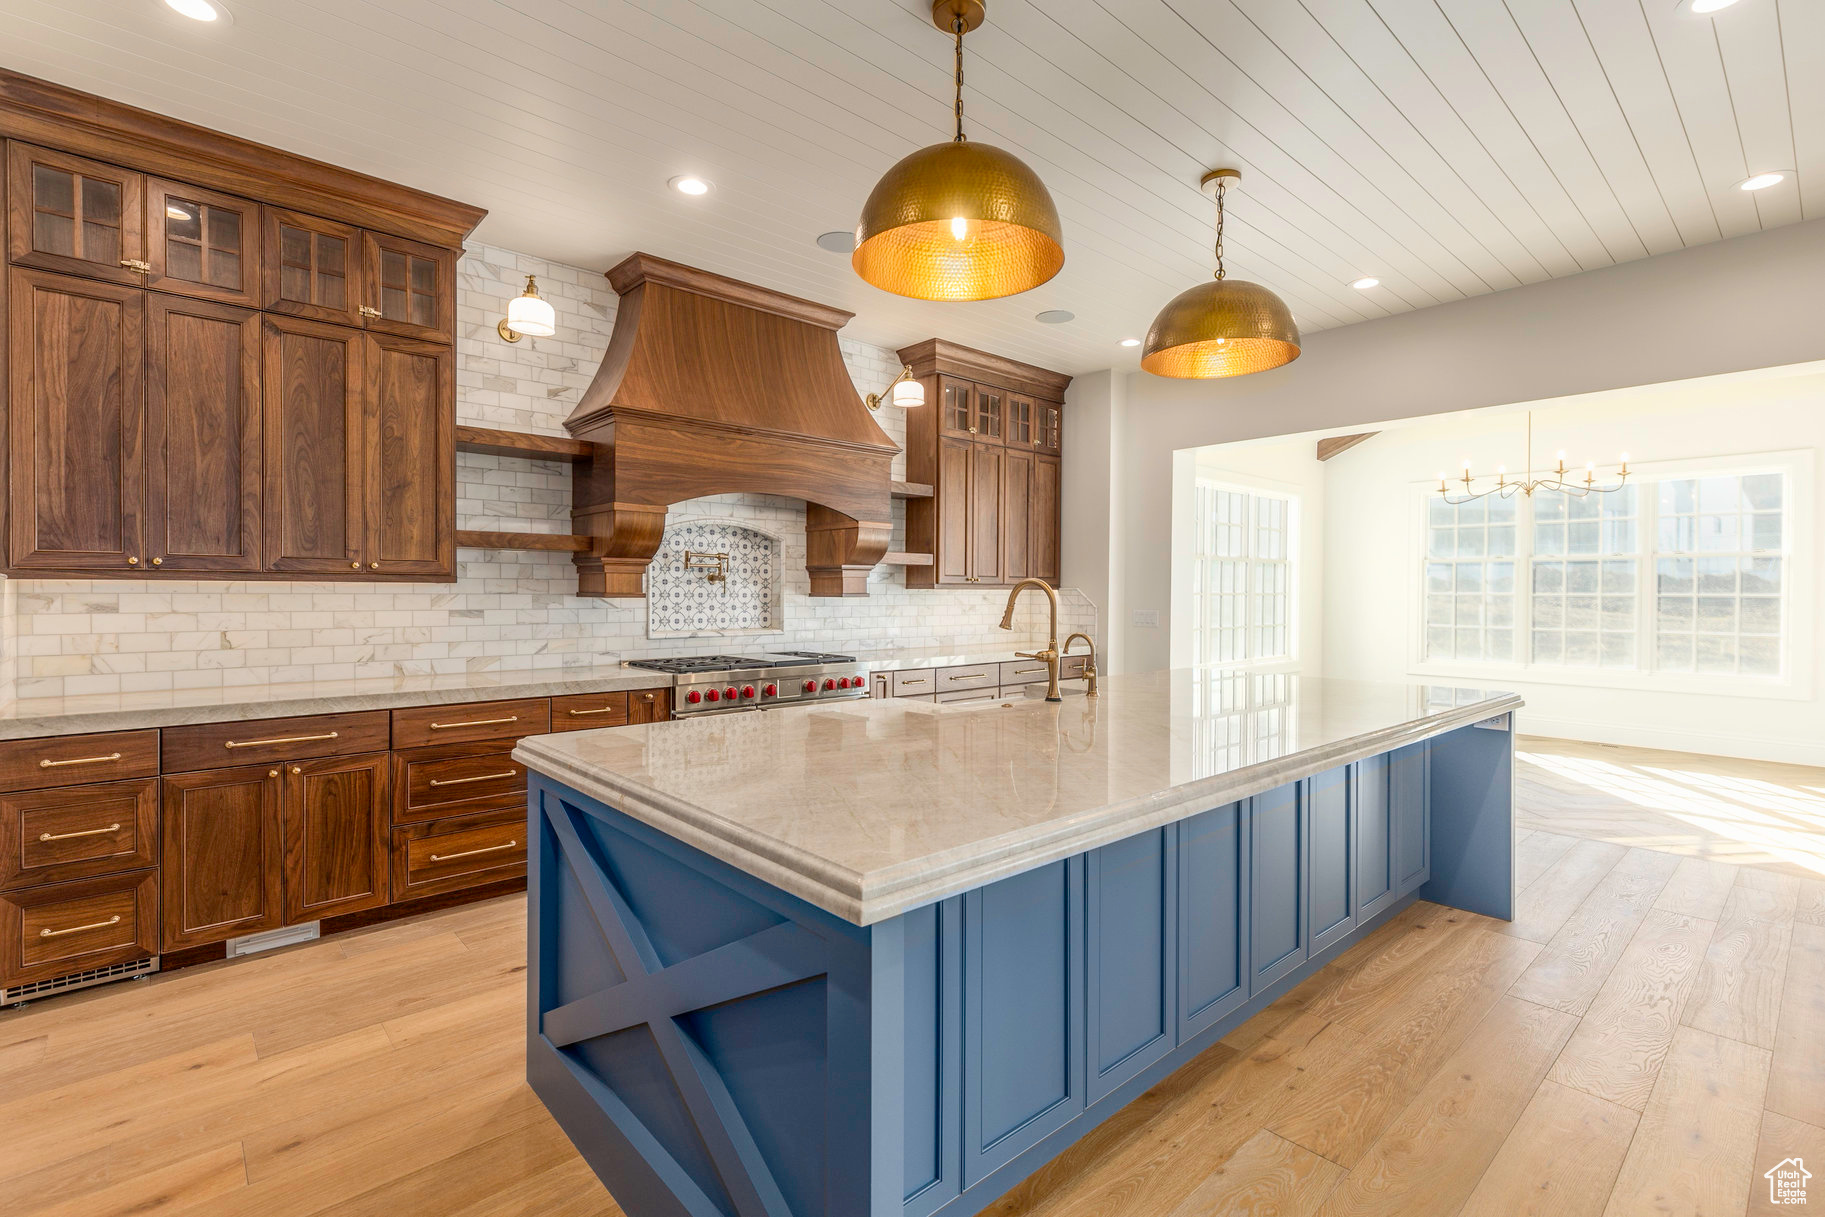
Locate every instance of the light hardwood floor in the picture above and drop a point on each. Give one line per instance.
(1646, 1037)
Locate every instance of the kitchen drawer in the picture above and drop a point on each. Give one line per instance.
(1071, 667)
(68, 760)
(1025, 672)
(991, 693)
(583, 711)
(434, 782)
(59, 928)
(915, 683)
(967, 676)
(77, 832)
(447, 855)
(471, 722)
(263, 741)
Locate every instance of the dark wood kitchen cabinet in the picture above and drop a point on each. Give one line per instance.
(220, 870)
(335, 815)
(223, 360)
(990, 451)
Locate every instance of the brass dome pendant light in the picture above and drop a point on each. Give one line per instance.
(1228, 327)
(958, 220)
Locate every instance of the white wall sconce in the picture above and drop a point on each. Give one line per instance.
(904, 392)
(528, 313)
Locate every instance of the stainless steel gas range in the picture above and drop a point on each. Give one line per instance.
(732, 684)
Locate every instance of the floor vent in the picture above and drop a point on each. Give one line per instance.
(286, 936)
(77, 980)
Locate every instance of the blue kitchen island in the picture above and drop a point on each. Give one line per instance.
(886, 958)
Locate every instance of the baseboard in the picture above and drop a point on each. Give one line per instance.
(1705, 743)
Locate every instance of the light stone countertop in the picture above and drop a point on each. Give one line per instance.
(912, 661)
(868, 809)
(47, 716)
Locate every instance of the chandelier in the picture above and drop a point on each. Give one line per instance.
(1560, 479)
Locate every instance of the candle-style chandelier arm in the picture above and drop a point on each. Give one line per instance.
(1528, 483)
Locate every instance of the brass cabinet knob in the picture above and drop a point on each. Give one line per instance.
(272, 773)
(647, 697)
(158, 561)
(373, 566)
(132, 561)
(296, 769)
(354, 566)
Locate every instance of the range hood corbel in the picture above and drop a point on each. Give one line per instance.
(715, 386)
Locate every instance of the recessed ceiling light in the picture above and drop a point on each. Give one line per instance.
(1763, 180)
(1131, 342)
(199, 10)
(837, 242)
(689, 185)
(1054, 316)
(1703, 8)
(1365, 283)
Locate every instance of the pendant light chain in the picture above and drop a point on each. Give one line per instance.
(957, 28)
(1222, 185)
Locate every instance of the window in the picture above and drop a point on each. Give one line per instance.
(1674, 574)
(1242, 579)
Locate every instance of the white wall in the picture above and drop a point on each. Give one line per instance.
(1750, 302)
(1285, 466)
(1373, 547)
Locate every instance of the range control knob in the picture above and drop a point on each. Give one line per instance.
(811, 686)
(747, 690)
(771, 691)
(729, 693)
(693, 697)
(829, 685)
(712, 695)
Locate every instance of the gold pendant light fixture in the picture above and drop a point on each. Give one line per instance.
(958, 220)
(1228, 327)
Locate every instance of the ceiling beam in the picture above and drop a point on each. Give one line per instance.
(1336, 445)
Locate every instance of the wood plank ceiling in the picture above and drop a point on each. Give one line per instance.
(1446, 147)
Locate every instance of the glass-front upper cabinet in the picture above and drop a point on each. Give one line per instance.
(956, 407)
(1020, 422)
(77, 216)
(991, 413)
(203, 244)
(408, 288)
(312, 267)
(1048, 434)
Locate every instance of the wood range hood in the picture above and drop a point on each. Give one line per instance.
(714, 386)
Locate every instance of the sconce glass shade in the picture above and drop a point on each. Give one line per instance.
(958, 221)
(530, 315)
(908, 394)
(1226, 327)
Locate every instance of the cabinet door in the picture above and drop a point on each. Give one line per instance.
(985, 523)
(1213, 917)
(1131, 918)
(1409, 797)
(1330, 867)
(991, 415)
(1370, 810)
(649, 706)
(1277, 909)
(1020, 422)
(1042, 519)
(956, 407)
(952, 494)
(202, 243)
(311, 267)
(221, 872)
(409, 287)
(410, 458)
(77, 423)
(335, 836)
(73, 215)
(1017, 486)
(203, 434)
(311, 386)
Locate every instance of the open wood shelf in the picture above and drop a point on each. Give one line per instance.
(522, 444)
(903, 559)
(554, 542)
(911, 490)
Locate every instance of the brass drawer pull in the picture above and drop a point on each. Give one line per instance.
(480, 722)
(913, 680)
(77, 929)
(969, 676)
(470, 853)
(486, 777)
(80, 760)
(603, 710)
(87, 832)
(283, 739)
(1024, 671)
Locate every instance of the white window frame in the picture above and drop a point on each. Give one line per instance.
(1253, 488)
(1793, 683)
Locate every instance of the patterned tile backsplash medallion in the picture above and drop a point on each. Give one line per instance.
(508, 610)
(695, 603)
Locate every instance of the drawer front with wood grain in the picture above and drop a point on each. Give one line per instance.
(584, 711)
(989, 694)
(70, 760)
(1024, 672)
(268, 740)
(77, 832)
(60, 928)
(471, 722)
(914, 684)
(1071, 667)
(968, 676)
(467, 851)
(431, 783)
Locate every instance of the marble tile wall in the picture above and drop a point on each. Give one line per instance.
(507, 610)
